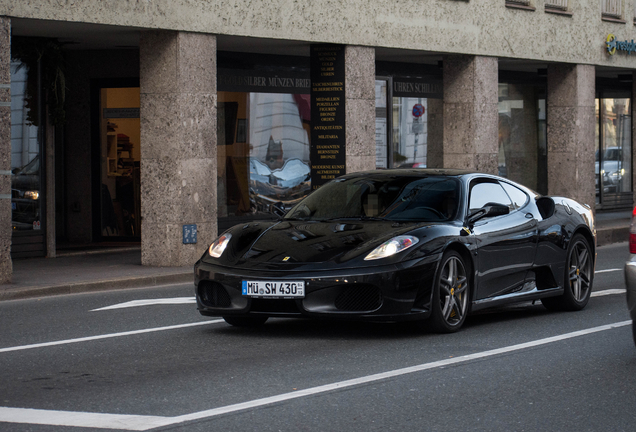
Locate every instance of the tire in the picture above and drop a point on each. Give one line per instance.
(451, 294)
(578, 278)
(241, 321)
(634, 331)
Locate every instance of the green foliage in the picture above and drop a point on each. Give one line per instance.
(48, 52)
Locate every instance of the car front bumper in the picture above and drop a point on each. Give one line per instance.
(382, 293)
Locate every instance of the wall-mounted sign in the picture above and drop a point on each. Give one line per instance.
(189, 234)
(614, 45)
(327, 113)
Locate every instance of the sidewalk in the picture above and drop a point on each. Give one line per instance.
(613, 227)
(97, 270)
(117, 268)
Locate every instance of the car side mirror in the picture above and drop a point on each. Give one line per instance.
(489, 210)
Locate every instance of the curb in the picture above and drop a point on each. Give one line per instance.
(96, 286)
(608, 236)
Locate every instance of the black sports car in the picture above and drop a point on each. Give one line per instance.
(423, 244)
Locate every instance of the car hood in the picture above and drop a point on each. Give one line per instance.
(293, 245)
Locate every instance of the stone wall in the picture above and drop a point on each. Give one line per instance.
(488, 28)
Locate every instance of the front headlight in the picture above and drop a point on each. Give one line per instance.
(391, 247)
(219, 245)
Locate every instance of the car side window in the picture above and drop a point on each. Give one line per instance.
(519, 197)
(487, 193)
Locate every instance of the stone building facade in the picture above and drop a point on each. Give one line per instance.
(183, 117)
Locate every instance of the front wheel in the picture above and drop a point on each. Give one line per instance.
(451, 294)
(578, 278)
(242, 321)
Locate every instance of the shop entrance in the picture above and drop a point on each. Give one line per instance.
(117, 196)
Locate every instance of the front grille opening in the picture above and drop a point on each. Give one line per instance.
(274, 305)
(213, 294)
(359, 298)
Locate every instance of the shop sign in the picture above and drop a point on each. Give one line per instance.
(427, 87)
(262, 81)
(614, 45)
(327, 153)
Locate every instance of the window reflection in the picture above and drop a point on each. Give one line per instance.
(25, 156)
(613, 150)
(410, 132)
(263, 153)
(522, 153)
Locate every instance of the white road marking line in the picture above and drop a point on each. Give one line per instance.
(608, 270)
(108, 336)
(149, 302)
(80, 419)
(128, 422)
(608, 292)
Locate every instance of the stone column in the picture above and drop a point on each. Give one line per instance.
(633, 136)
(470, 113)
(571, 92)
(178, 145)
(360, 108)
(6, 266)
(435, 143)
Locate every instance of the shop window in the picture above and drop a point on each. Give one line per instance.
(410, 132)
(26, 190)
(263, 153)
(414, 121)
(522, 153)
(613, 164)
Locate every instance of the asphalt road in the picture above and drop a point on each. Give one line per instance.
(66, 366)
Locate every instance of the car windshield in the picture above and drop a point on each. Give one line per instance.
(395, 198)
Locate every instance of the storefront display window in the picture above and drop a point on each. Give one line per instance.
(414, 121)
(522, 153)
(26, 190)
(613, 162)
(410, 132)
(263, 153)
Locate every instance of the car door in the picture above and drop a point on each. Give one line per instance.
(506, 245)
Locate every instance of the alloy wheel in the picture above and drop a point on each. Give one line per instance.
(580, 269)
(453, 291)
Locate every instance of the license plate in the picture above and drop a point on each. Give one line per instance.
(14, 206)
(274, 289)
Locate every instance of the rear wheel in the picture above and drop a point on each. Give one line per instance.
(579, 275)
(248, 321)
(451, 294)
(634, 331)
